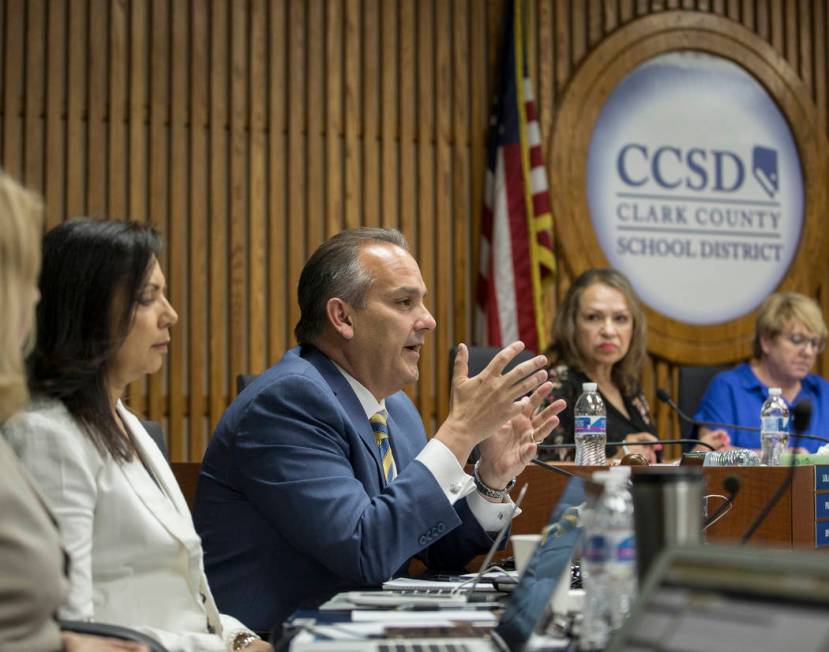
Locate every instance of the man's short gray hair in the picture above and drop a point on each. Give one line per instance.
(334, 270)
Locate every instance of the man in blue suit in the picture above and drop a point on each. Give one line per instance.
(319, 477)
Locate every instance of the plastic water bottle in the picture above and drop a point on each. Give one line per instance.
(621, 545)
(734, 457)
(608, 562)
(590, 427)
(774, 427)
(595, 629)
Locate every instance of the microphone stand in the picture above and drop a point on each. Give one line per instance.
(663, 396)
(732, 486)
(647, 442)
(550, 467)
(825, 440)
(801, 414)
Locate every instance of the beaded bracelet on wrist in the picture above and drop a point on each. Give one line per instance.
(486, 490)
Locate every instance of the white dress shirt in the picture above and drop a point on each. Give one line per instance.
(443, 465)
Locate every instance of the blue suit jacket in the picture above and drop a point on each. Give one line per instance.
(291, 504)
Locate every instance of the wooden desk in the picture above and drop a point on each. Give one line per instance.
(800, 515)
(800, 519)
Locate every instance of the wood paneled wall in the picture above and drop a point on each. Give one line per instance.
(248, 131)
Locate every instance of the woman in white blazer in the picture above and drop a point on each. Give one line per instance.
(103, 322)
(33, 580)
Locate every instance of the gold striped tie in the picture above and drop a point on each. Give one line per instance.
(380, 427)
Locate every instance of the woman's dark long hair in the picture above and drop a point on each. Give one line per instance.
(92, 275)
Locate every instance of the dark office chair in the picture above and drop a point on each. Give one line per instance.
(153, 428)
(480, 357)
(242, 381)
(693, 380)
(112, 631)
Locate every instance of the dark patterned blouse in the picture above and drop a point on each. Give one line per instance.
(567, 384)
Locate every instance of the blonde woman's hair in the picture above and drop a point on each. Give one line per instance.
(21, 220)
(781, 309)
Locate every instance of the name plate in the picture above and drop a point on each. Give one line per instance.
(821, 506)
(822, 477)
(821, 535)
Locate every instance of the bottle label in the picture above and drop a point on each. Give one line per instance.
(595, 549)
(774, 424)
(624, 549)
(596, 424)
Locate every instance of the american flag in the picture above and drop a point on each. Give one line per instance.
(516, 260)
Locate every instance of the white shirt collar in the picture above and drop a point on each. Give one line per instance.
(371, 405)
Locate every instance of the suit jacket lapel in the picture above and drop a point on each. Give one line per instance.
(348, 399)
(171, 509)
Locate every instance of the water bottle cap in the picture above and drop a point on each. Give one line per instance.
(775, 391)
(601, 476)
(589, 387)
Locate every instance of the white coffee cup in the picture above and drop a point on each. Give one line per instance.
(523, 546)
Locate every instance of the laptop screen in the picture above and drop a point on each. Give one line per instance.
(718, 599)
(528, 603)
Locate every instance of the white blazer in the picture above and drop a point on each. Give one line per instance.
(136, 559)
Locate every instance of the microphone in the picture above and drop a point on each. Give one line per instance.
(801, 416)
(647, 442)
(663, 396)
(732, 485)
(550, 467)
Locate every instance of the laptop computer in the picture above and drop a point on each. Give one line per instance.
(730, 599)
(438, 594)
(525, 608)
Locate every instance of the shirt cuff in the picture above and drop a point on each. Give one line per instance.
(443, 465)
(491, 516)
(456, 484)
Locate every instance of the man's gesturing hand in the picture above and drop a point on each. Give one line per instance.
(482, 404)
(507, 453)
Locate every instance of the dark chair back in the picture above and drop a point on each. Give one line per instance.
(187, 476)
(111, 631)
(693, 380)
(242, 381)
(153, 428)
(481, 356)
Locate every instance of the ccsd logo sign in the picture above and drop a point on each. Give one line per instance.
(695, 187)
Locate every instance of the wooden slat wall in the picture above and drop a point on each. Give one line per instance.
(248, 131)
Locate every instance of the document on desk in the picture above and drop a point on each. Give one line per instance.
(413, 584)
(340, 631)
(437, 618)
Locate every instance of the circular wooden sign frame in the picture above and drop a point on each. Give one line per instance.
(604, 68)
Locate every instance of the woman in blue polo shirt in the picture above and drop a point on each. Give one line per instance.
(788, 336)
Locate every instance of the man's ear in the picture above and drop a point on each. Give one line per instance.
(765, 344)
(339, 316)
